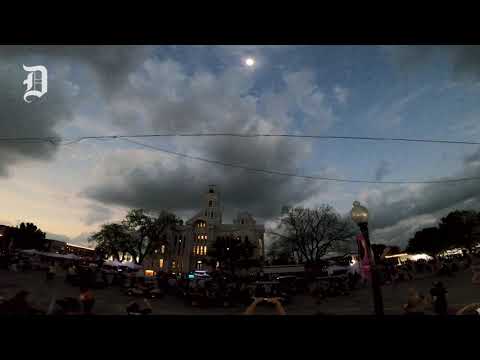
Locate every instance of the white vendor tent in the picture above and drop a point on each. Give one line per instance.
(117, 263)
(52, 255)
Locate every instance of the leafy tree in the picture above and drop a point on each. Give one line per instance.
(113, 240)
(378, 250)
(232, 253)
(28, 236)
(457, 228)
(395, 250)
(427, 241)
(310, 233)
(137, 235)
(149, 232)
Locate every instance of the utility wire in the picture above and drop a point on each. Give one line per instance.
(281, 173)
(58, 141)
(238, 135)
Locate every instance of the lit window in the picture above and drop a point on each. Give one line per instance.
(174, 263)
(205, 249)
(161, 263)
(205, 237)
(163, 249)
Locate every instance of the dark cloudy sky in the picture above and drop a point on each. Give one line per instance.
(399, 91)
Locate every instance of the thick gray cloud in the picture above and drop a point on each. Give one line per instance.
(97, 214)
(392, 206)
(383, 169)
(465, 59)
(35, 119)
(59, 237)
(164, 98)
(183, 189)
(109, 64)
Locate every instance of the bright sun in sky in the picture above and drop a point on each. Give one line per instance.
(249, 61)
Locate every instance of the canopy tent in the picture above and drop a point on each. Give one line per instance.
(117, 263)
(31, 252)
(53, 255)
(283, 269)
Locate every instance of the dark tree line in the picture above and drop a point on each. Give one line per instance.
(26, 236)
(457, 229)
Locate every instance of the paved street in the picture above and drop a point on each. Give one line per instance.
(111, 301)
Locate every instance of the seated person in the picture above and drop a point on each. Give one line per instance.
(134, 308)
(415, 304)
(252, 309)
(87, 299)
(471, 309)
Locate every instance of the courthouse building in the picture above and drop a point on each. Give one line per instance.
(188, 249)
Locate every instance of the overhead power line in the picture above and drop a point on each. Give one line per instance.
(238, 135)
(294, 175)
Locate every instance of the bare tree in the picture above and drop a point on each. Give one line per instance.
(311, 233)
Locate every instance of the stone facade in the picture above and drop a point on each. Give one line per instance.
(188, 249)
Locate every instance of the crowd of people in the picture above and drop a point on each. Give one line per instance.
(221, 289)
(217, 289)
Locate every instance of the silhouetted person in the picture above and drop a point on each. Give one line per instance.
(19, 305)
(87, 299)
(52, 271)
(134, 308)
(252, 309)
(439, 298)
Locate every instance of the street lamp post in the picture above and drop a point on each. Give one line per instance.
(360, 217)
